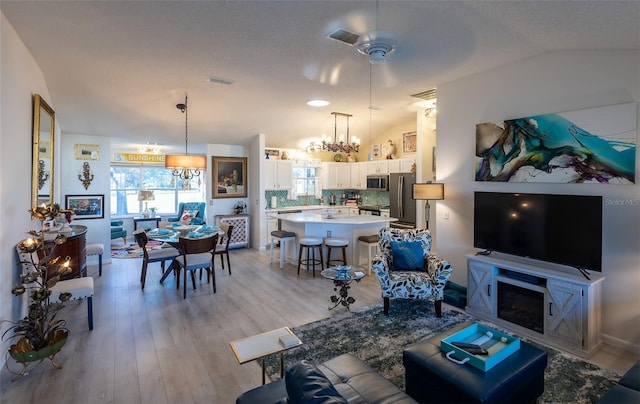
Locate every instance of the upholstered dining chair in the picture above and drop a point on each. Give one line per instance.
(222, 248)
(160, 255)
(190, 212)
(406, 268)
(197, 253)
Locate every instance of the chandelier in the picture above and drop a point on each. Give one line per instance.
(185, 166)
(338, 145)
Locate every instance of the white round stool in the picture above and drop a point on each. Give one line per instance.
(371, 242)
(96, 249)
(311, 244)
(336, 242)
(283, 237)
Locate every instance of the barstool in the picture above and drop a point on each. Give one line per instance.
(336, 242)
(371, 242)
(310, 243)
(96, 249)
(283, 237)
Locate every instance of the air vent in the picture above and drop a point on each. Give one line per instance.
(344, 36)
(427, 95)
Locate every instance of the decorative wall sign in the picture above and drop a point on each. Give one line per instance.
(596, 145)
(87, 151)
(139, 157)
(410, 142)
(86, 206)
(272, 152)
(229, 177)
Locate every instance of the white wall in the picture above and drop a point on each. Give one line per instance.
(20, 78)
(224, 206)
(98, 229)
(552, 82)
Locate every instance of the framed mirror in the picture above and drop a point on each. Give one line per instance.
(43, 150)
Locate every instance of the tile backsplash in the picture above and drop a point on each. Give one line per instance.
(366, 197)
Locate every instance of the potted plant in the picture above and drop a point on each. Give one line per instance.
(40, 334)
(153, 211)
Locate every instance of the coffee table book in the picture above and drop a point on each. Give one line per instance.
(498, 344)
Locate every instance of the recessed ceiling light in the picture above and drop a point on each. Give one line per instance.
(317, 103)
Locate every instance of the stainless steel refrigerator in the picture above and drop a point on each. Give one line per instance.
(401, 205)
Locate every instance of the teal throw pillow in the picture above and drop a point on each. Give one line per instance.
(407, 256)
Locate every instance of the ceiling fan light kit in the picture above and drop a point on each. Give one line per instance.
(377, 50)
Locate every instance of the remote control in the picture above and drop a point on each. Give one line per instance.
(471, 348)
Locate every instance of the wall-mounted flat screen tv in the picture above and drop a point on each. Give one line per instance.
(563, 229)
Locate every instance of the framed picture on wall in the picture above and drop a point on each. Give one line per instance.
(375, 150)
(86, 151)
(86, 206)
(229, 177)
(410, 142)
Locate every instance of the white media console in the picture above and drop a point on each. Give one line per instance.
(554, 304)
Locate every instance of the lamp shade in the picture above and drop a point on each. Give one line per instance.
(185, 161)
(146, 196)
(429, 191)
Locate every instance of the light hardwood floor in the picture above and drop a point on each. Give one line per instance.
(152, 346)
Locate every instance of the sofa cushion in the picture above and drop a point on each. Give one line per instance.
(407, 256)
(631, 378)
(305, 383)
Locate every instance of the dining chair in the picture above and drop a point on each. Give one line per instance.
(197, 253)
(152, 255)
(222, 248)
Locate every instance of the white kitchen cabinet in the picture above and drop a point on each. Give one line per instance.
(336, 175)
(359, 175)
(278, 174)
(401, 165)
(378, 167)
(570, 303)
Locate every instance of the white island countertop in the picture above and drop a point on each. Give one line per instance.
(342, 225)
(339, 218)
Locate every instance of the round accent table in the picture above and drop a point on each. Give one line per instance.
(342, 276)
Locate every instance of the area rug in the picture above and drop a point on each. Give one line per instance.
(132, 250)
(379, 340)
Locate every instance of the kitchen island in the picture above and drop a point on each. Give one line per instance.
(339, 225)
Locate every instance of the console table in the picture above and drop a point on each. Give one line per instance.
(568, 304)
(240, 233)
(155, 220)
(75, 247)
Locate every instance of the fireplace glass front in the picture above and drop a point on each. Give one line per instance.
(521, 306)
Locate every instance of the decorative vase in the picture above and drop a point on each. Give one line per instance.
(19, 354)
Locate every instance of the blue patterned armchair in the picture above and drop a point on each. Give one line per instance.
(406, 269)
(193, 212)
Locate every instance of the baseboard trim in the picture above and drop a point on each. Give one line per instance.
(622, 344)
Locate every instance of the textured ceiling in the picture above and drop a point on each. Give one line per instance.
(117, 68)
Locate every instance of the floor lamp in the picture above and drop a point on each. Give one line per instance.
(426, 192)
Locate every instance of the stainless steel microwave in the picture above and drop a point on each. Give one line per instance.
(378, 182)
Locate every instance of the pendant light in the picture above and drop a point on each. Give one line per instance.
(185, 166)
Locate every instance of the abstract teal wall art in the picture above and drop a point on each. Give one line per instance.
(596, 145)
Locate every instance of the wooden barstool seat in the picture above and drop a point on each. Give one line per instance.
(311, 244)
(336, 242)
(371, 243)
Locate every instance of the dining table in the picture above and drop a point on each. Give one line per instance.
(172, 234)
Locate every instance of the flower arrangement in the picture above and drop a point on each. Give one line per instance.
(40, 329)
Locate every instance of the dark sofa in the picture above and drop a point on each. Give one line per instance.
(627, 390)
(343, 379)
